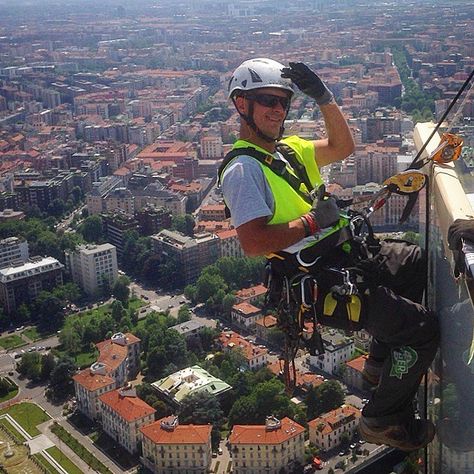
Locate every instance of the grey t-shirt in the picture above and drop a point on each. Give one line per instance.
(246, 190)
(248, 195)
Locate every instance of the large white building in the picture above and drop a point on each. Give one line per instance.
(267, 448)
(22, 282)
(92, 265)
(171, 448)
(13, 250)
(338, 350)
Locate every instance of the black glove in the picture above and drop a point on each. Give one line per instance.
(308, 82)
(324, 211)
(460, 229)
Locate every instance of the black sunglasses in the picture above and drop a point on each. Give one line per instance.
(269, 100)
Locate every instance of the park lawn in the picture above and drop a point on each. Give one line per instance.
(12, 431)
(9, 342)
(79, 449)
(42, 461)
(28, 415)
(34, 335)
(136, 303)
(85, 359)
(63, 460)
(9, 395)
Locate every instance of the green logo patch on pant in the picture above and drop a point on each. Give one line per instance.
(403, 359)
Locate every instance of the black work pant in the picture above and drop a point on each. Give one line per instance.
(406, 334)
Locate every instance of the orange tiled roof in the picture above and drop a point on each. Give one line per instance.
(110, 354)
(245, 308)
(233, 340)
(258, 434)
(251, 292)
(226, 234)
(113, 354)
(91, 381)
(268, 321)
(358, 363)
(181, 434)
(332, 420)
(129, 408)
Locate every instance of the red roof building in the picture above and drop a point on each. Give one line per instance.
(276, 445)
(123, 413)
(170, 447)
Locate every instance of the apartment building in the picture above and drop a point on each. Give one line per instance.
(326, 431)
(122, 415)
(192, 254)
(13, 250)
(116, 225)
(338, 350)
(171, 448)
(353, 373)
(89, 384)
(229, 243)
(22, 282)
(121, 355)
(264, 325)
(121, 200)
(269, 448)
(212, 212)
(93, 266)
(255, 357)
(212, 147)
(245, 315)
(154, 194)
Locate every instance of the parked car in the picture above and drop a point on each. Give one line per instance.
(219, 450)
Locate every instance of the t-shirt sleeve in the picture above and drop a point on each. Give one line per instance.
(246, 191)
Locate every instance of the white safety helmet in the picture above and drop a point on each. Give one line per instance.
(256, 74)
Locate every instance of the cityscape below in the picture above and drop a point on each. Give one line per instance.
(135, 334)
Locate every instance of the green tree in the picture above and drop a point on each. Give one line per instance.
(208, 336)
(184, 314)
(330, 396)
(121, 290)
(208, 284)
(60, 382)
(67, 293)
(118, 312)
(201, 408)
(71, 340)
(50, 311)
(184, 224)
(92, 229)
(76, 194)
(5, 387)
(30, 366)
(48, 363)
(57, 207)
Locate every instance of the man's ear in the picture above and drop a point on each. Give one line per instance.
(241, 104)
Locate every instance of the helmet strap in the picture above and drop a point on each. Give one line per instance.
(251, 123)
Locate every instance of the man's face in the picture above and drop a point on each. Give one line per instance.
(269, 109)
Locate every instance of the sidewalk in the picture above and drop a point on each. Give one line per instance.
(88, 444)
(68, 452)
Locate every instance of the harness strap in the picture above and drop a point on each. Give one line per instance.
(277, 166)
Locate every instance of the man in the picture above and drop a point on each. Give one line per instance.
(274, 216)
